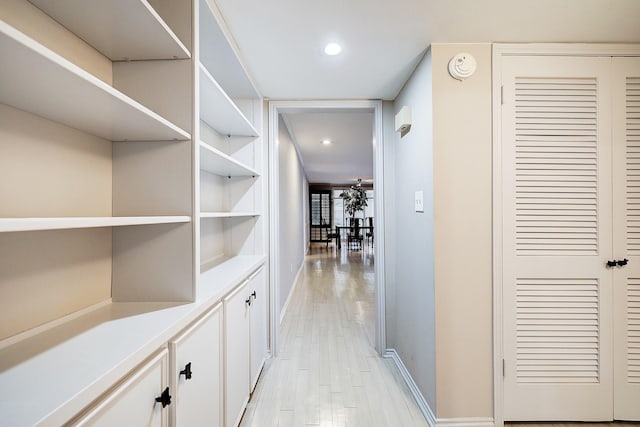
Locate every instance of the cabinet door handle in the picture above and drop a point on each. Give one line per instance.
(248, 301)
(164, 398)
(187, 371)
(623, 262)
(254, 295)
(612, 263)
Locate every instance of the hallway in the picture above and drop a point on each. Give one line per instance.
(327, 372)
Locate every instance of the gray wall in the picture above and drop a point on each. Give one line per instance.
(410, 258)
(438, 267)
(293, 218)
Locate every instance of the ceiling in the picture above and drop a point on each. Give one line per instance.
(281, 41)
(347, 158)
(281, 44)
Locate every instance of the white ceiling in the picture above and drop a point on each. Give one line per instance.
(281, 41)
(281, 44)
(348, 158)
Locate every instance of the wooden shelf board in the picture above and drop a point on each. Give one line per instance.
(33, 224)
(219, 111)
(49, 377)
(219, 277)
(220, 57)
(228, 214)
(215, 161)
(41, 82)
(119, 29)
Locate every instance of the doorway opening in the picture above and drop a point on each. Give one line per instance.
(278, 110)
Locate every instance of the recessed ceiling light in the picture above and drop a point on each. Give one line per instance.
(326, 141)
(332, 49)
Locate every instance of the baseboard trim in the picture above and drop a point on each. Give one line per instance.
(413, 387)
(424, 405)
(293, 288)
(466, 422)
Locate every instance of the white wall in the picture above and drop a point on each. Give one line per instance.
(410, 306)
(463, 243)
(293, 219)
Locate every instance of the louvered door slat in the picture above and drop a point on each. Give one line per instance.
(561, 170)
(632, 95)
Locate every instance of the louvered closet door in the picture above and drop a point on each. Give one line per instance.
(626, 284)
(556, 165)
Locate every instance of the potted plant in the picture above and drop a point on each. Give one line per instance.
(354, 199)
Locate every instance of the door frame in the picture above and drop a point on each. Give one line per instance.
(275, 109)
(500, 51)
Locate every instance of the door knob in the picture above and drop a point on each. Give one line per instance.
(623, 262)
(612, 263)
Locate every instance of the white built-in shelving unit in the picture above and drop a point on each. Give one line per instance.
(231, 225)
(42, 82)
(131, 204)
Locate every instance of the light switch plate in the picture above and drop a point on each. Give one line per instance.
(419, 201)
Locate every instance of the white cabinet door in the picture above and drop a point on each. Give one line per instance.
(259, 323)
(236, 333)
(134, 403)
(196, 373)
(626, 234)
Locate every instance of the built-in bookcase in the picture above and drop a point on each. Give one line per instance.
(230, 157)
(131, 180)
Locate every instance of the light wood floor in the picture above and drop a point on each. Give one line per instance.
(327, 372)
(550, 424)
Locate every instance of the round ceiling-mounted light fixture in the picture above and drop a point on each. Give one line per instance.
(332, 49)
(462, 66)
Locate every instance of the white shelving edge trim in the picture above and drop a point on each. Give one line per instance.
(16, 43)
(228, 214)
(34, 224)
(243, 126)
(114, 39)
(231, 167)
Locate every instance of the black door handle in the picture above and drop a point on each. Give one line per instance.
(248, 301)
(254, 295)
(623, 262)
(612, 263)
(164, 398)
(187, 372)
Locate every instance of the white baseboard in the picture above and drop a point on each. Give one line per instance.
(293, 288)
(465, 422)
(424, 405)
(413, 387)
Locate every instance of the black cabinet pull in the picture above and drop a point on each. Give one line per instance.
(623, 262)
(248, 301)
(254, 295)
(164, 398)
(187, 371)
(612, 263)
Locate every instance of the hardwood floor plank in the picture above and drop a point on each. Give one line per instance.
(327, 372)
